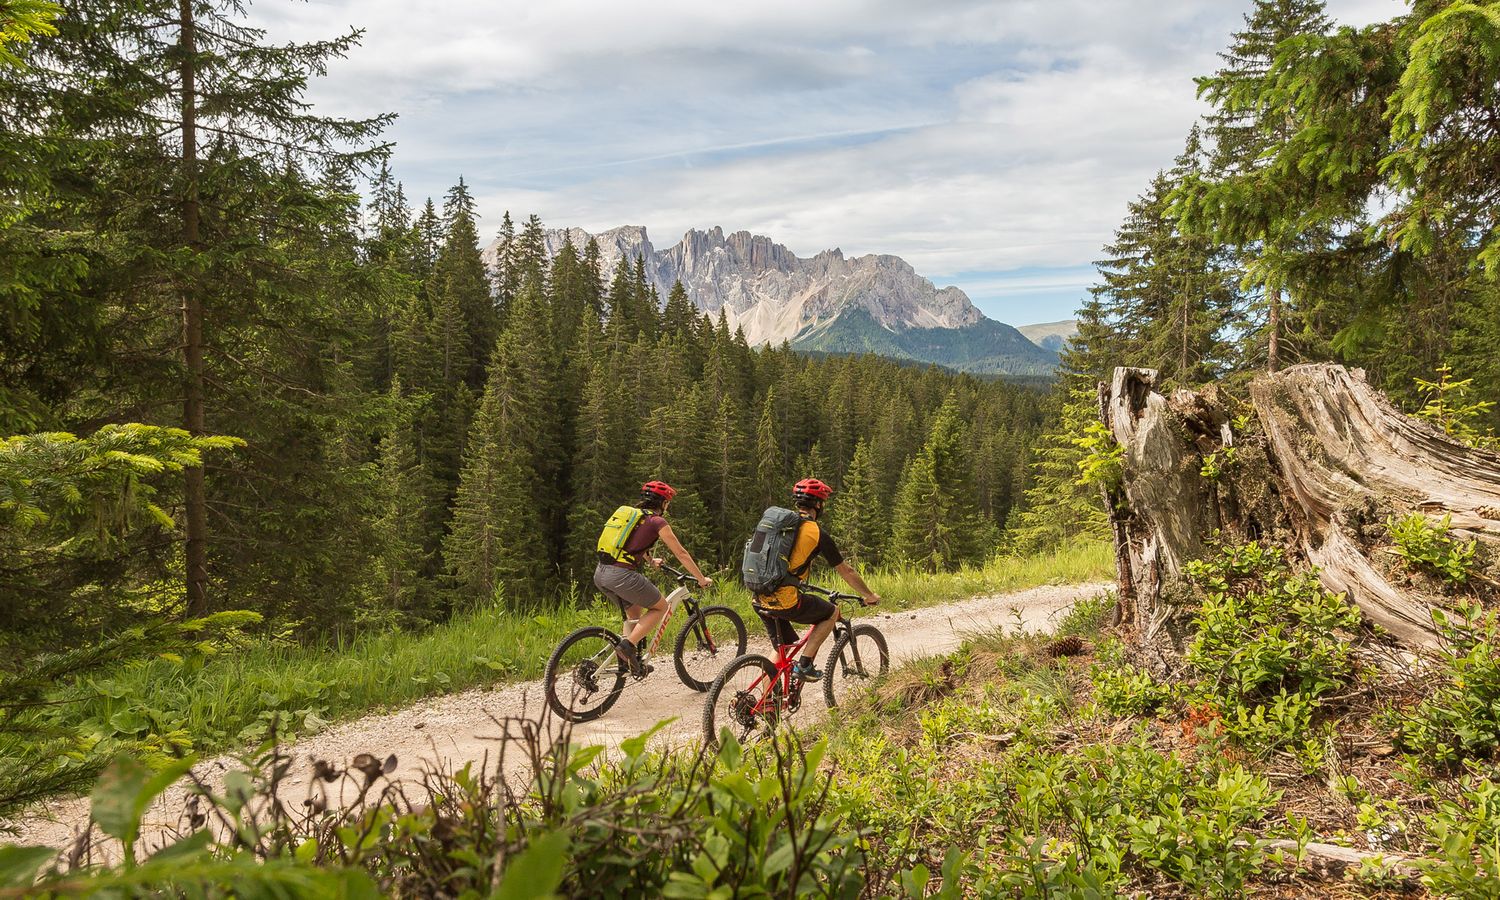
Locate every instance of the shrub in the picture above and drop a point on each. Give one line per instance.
(1460, 718)
(1128, 691)
(1466, 832)
(736, 824)
(1429, 547)
(1268, 643)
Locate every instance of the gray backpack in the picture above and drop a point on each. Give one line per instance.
(767, 563)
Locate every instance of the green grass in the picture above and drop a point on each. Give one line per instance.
(238, 696)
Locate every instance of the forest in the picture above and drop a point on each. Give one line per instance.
(260, 397)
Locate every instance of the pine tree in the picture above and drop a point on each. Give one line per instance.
(770, 454)
(601, 478)
(1239, 207)
(505, 530)
(922, 534)
(460, 293)
(859, 515)
(407, 502)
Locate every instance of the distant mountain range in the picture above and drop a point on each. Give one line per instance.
(828, 302)
(1054, 336)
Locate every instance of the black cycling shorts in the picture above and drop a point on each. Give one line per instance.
(810, 611)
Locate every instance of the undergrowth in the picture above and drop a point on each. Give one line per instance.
(1018, 766)
(165, 706)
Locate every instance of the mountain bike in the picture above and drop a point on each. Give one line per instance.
(754, 693)
(584, 678)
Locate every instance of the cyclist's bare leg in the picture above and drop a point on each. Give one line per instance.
(819, 634)
(646, 622)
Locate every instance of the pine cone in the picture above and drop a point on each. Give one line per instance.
(1071, 645)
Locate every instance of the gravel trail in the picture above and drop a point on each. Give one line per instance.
(451, 730)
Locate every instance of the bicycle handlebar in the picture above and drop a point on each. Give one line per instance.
(678, 574)
(835, 596)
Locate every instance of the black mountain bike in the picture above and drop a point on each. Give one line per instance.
(754, 693)
(584, 677)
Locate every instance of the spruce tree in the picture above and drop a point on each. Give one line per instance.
(601, 477)
(407, 503)
(726, 476)
(505, 530)
(770, 454)
(937, 522)
(183, 137)
(1058, 506)
(922, 533)
(506, 274)
(460, 292)
(859, 515)
(1241, 205)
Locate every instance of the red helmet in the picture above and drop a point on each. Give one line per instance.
(811, 489)
(658, 490)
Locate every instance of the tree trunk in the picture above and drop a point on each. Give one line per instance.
(1322, 464)
(194, 494)
(1273, 324)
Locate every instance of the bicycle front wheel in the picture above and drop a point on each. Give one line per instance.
(584, 678)
(858, 657)
(714, 636)
(745, 698)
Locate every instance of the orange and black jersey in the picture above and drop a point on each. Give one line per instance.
(812, 542)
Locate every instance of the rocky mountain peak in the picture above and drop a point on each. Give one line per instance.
(772, 293)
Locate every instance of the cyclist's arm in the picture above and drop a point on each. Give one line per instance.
(850, 576)
(673, 544)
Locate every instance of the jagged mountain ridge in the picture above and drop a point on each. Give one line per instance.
(775, 296)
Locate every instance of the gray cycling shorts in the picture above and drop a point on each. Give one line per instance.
(627, 587)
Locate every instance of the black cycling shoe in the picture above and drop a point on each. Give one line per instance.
(806, 672)
(628, 655)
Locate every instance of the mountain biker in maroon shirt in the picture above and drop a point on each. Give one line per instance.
(640, 600)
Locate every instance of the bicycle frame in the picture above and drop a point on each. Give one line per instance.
(680, 594)
(786, 655)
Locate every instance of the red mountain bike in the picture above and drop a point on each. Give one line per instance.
(754, 693)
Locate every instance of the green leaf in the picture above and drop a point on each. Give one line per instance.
(582, 757)
(634, 747)
(124, 791)
(20, 865)
(730, 751)
(780, 859)
(194, 843)
(538, 871)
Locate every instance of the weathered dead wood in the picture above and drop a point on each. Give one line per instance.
(1332, 459)
(1330, 862)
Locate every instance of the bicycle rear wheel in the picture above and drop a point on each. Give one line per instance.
(857, 658)
(584, 678)
(745, 698)
(714, 636)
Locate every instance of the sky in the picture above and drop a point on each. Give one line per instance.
(993, 145)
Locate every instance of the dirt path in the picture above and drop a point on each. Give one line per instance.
(449, 731)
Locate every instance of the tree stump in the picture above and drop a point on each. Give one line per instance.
(1316, 463)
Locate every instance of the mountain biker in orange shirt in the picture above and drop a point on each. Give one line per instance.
(789, 605)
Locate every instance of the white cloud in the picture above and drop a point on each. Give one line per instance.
(963, 135)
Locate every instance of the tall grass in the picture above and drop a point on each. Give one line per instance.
(237, 696)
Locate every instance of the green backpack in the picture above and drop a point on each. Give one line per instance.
(616, 532)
